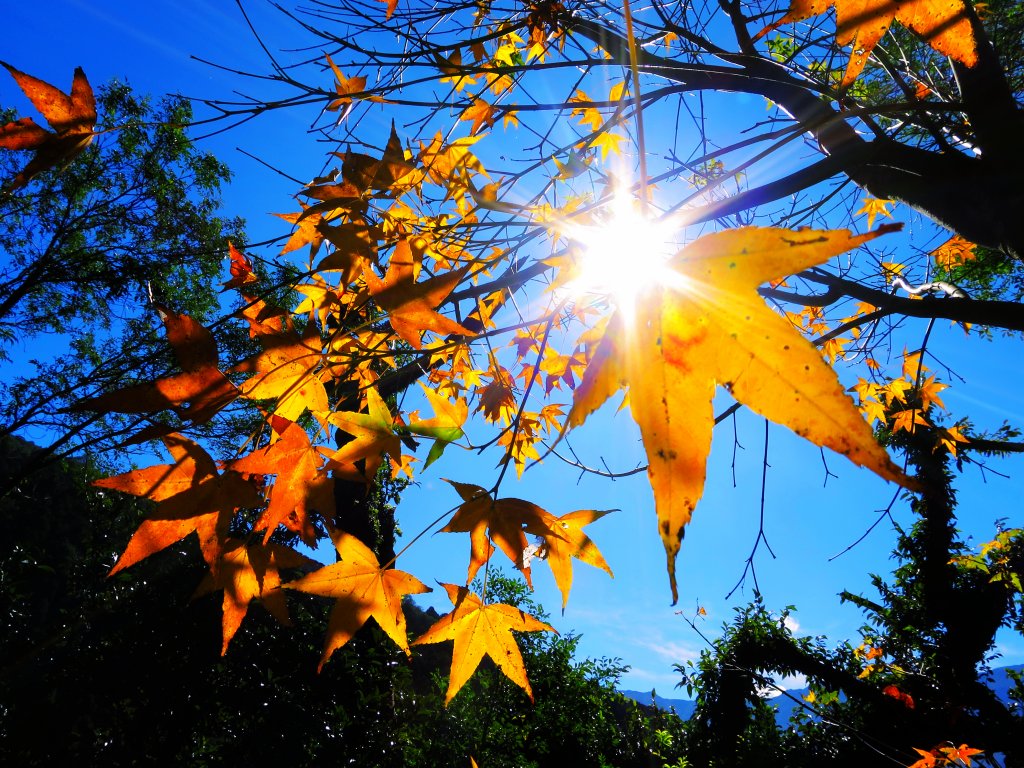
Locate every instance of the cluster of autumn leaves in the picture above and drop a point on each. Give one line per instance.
(372, 312)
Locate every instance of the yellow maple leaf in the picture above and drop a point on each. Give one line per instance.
(607, 141)
(703, 325)
(572, 542)
(482, 630)
(362, 590)
(873, 207)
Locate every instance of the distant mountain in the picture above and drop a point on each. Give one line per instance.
(683, 707)
(1001, 683)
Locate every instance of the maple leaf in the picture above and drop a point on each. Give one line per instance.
(963, 753)
(354, 243)
(954, 252)
(286, 370)
(705, 325)
(895, 693)
(945, 25)
(927, 759)
(907, 419)
(482, 630)
(191, 496)
(248, 572)
(196, 394)
(391, 171)
(949, 437)
(572, 542)
(71, 117)
(307, 231)
(362, 589)
(411, 305)
(344, 86)
(505, 521)
(374, 435)
(240, 267)
(299, 489)
(481, 113)
(445, 427)
(607, 142)
(873, 207)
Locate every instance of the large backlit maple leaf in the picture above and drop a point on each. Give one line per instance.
(362, 590)
(195, 394)
(411, 305)
(703, 326)
(247, 572)
(482, 630)
(944, 24)
(300, 488)
(191, 497)
(72, 118)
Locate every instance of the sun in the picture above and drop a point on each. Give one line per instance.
(622, 252)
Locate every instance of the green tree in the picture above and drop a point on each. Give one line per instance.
(915, 680)
(85, 249)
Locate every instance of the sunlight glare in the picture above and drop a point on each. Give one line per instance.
(622, 253)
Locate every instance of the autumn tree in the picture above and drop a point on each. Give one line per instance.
(488, 161)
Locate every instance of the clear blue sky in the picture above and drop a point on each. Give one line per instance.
(149, 45)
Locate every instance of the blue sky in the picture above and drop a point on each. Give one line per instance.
(807, 521)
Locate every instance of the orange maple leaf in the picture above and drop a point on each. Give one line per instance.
(362, 589)
(945, 25)
(411, 305)
(703, 325)
(240, 267)
(505, 521)
(71, 117)
(572, 542)
(385, 175)
(481, 113)
(247, 572)
(895, 693)
(196, 394)
(300, 487)
(963, 753)
(307, 231)
(480, 630)
(954, 252)
(191, 496)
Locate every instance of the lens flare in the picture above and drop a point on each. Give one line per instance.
(622, 252)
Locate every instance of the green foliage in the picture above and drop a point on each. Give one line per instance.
(917, 677)
(578, 718)
(130, 668)
(85, 248)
